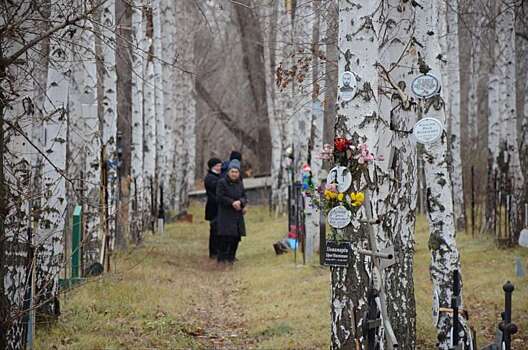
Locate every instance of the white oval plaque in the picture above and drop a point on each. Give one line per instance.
(339, 217)
(428, 130)
(348, 86)
(425, 86)
(341, 176)
(436, 307)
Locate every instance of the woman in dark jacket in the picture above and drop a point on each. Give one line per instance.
(211, 207)
(232, 202)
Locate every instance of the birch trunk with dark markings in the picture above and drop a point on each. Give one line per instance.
(397, 182)
(357, 119)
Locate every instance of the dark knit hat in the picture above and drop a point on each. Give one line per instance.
(212, 162)
(235, 155)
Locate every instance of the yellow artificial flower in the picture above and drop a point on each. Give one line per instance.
(340, 197)
(357, 198)
(328, 194)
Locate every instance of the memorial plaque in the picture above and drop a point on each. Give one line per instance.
(436, 307)
(341, 176)
(337, 254)
(339, 217)
(428, 130)
(425, 86)
(348, 86)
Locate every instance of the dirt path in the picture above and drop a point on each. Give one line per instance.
(219, 312)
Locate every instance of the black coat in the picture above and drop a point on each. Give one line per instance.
(211, 207)
(230, 221)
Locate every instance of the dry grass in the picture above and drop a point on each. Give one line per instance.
(169, 295)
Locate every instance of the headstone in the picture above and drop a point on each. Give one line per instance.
(341, 176)
(523, 238)
(348, 86)
(428, 130)
(339, 217)
(425, 86)
(337, 254)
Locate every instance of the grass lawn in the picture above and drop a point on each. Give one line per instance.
(167, 294)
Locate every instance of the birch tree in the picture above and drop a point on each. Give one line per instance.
(358, 42)
(508, 141)
(453, 77)
(445, 258)
(397, 175)
(108, 118)
(138, 75)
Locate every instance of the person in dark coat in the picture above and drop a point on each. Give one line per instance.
(232, 204)
(225, 165)
(211, 207)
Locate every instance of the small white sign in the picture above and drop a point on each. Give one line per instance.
(341, 176)
(436, 307)
(348, 86)
(428, 130)
(339, 217)
(425, 86)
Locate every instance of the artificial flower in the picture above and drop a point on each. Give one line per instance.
(364, 155)
(341, 144)
(357, 198)
(340, 197)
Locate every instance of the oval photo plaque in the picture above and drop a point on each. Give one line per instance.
(428, 130)
(425, 86)
(339, 217)
(341, 176)
(348, 86)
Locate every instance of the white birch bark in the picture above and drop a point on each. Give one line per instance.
(16, 155)
(49, 240)
(445, 257)
(283, 103)
(138, 75)
(159, 91)
(357, 119)
(185, 135)
(149, 138)
(109, 117)
(269, 14)
(397, 182)
(453, 77)
(508, 143)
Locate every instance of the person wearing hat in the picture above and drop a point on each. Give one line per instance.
(225, 165)
(211, 207)
(232, 203)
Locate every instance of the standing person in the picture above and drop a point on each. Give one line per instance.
(232, 202)
(211, 207)
(234, 155)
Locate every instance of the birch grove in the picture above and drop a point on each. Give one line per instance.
(114, 107)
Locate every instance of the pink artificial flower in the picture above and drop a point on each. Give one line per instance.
(331, 187)
(364, 155)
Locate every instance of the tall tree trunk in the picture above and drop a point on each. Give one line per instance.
(254, 63)
(138, 75)
(445, 258)
(108, 118)
(453, 77)
(124, 73)
(509, 161)
(358, 41)
(397, 181)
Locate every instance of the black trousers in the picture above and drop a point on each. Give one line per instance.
(228, 248)
(214, 241)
